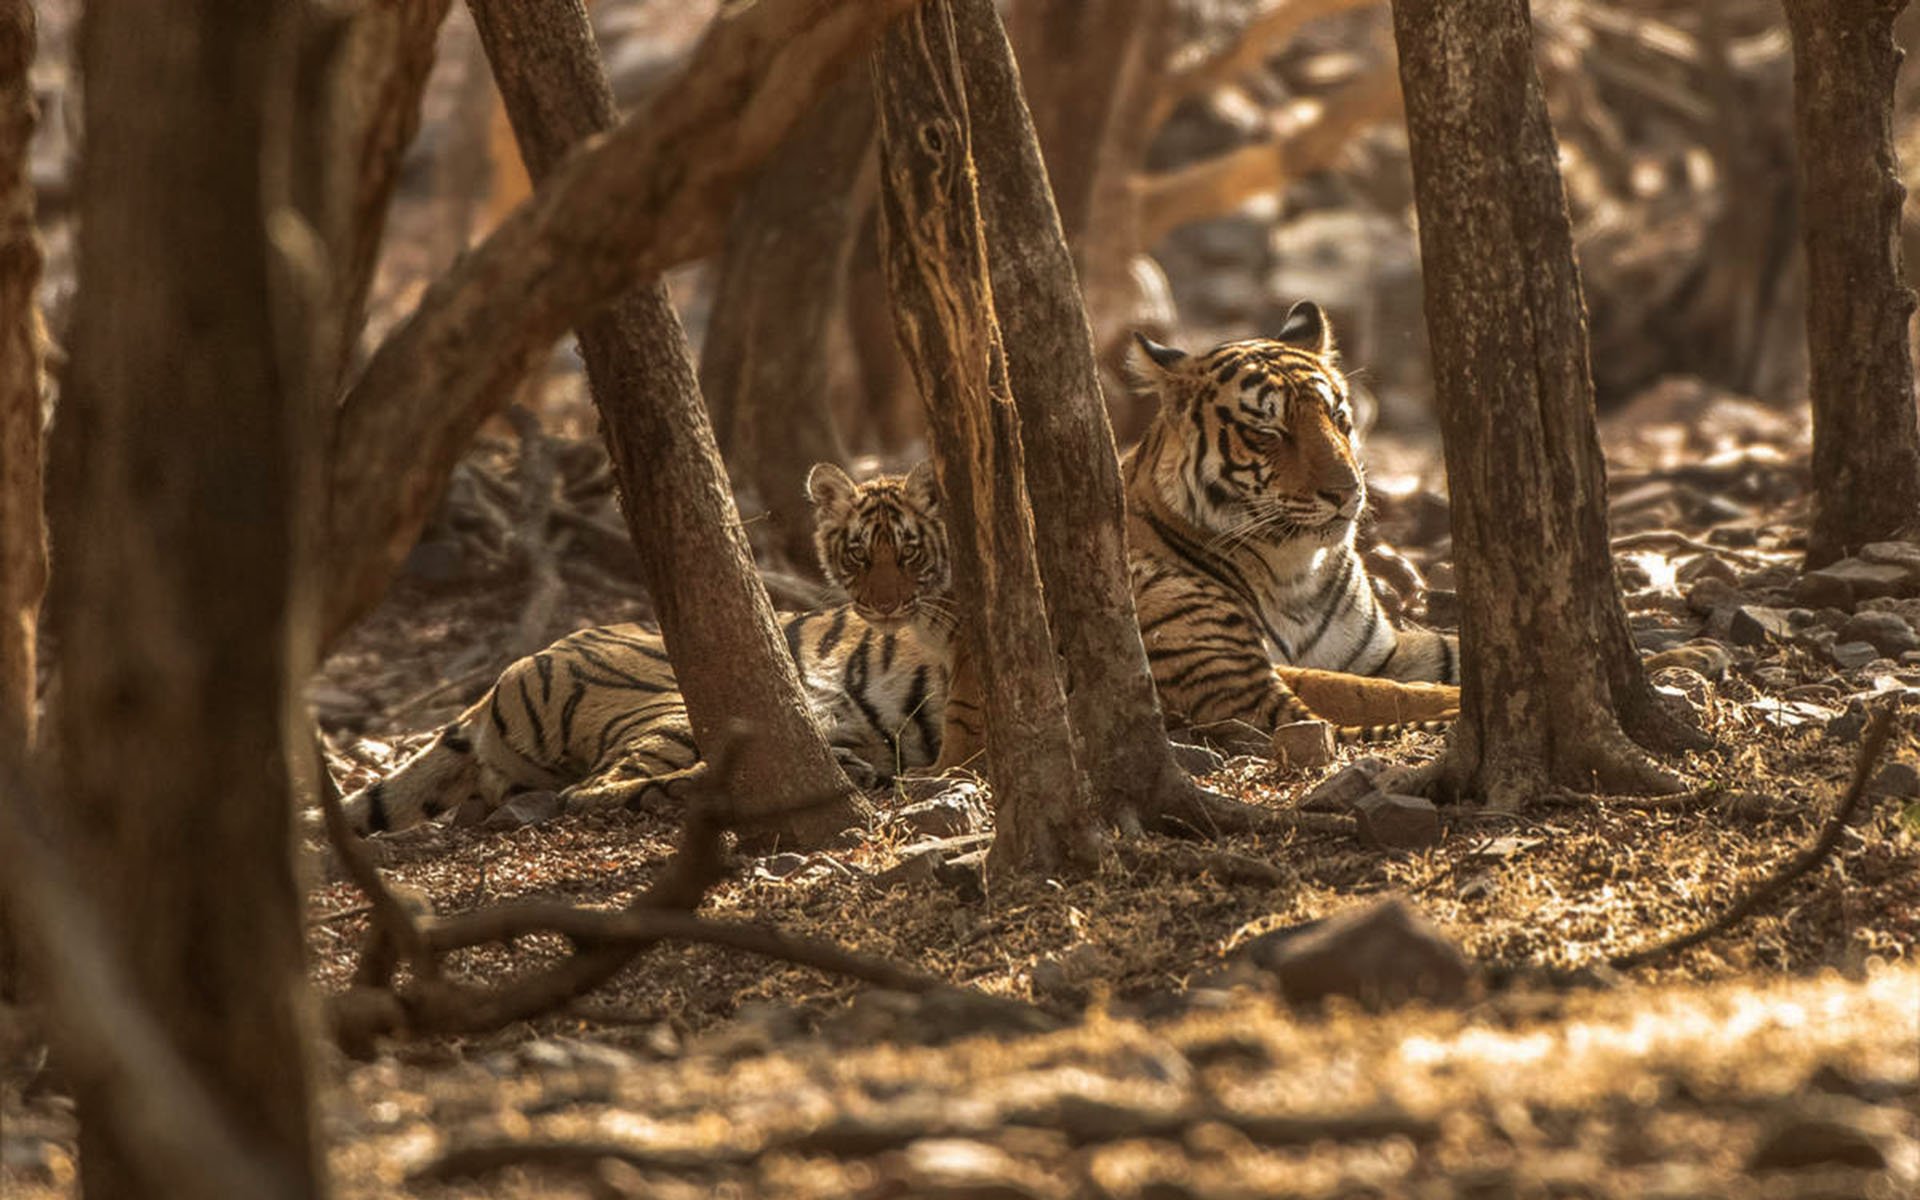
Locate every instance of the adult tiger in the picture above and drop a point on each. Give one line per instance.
(598, 716)
(1241, 503)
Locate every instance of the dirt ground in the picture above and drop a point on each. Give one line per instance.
(1780, 1059)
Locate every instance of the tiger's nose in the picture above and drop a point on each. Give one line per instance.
(1341, 498)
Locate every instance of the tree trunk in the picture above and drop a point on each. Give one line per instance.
(934, 252)
(730, 658)
(23, 534)
(174, 458)
(1866, 446)
(1547, 659)
(1072, 467)
(648, 195)
(763, 364)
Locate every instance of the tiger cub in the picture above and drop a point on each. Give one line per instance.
(1241, 503)
(598, 716)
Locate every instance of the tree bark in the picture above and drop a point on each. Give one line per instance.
(1072, 466)
(647, 196)
(1866, 444)
(728, 654)
(763, 363)
(1547, 659)
(934, 252)
(173, 465)
(23, 533)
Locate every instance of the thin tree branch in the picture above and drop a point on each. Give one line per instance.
(1263, 36)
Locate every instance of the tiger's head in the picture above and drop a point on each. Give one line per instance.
(1254, 439)
(883, 541)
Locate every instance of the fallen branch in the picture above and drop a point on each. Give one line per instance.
(1872, 744)
(650, 194)
(1263, 37)
(1656, 538)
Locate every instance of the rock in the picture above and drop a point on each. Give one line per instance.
(1887, 632)
(1868, 579)
(1380, 953)
(1710, 594)
(1851, 656)
(527, 808)
(1849, 725)
(1704, 656)
(1066, 976)
(965, 874)
(440, 561)
(1658, 638)
(1338, 791)
(1896, 779)
(905, 873)
(1822, 591)
(1197, 760)
(1804, 1141)
(1306, 744)
(959, 809)
(779, 866)
(1392, 822)
(1756, 625)
(951, 1168)
(1706, 566)
(1904, 555)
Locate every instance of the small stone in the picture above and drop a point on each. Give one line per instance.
(1817, 1141)
(1197, 760)
(1303, 744)
(1707, 658)
(1822, 591)
(1338, 791)
(1851, 656)
(779, 866)
(1756, 625)
(1888, 632)
(1658, 638)
(547, 1055)
(1705, 566)
(958, 810)
(1066, 976)
(1896, 779)
(1868, 579)
(965, 874)
(527, 808)
(906, 873)
(436, 562)
(1378, 953)
(1392, 822)
(1904, 555)
(1709, 594)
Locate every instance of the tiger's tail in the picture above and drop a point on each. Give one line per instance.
(432, 781)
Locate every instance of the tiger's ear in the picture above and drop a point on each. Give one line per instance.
(1306, 327)
(829, 487)
(1153, 358)
(923, 488)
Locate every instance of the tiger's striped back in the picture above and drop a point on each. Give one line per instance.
(1242, 500)
(598, 716)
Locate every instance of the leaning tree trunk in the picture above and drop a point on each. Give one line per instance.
(173, 464)
(1549, 670)
(23, 535)
(763, 363)
(934, 251)
(1072, 468)
(1866, 445)
(729, 655)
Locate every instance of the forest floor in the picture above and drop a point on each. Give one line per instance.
(1781, 1058)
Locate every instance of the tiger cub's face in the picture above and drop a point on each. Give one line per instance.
(884, 542)
(1257, 435)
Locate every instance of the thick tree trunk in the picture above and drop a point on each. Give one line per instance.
(1072, 467)
(173, 464)
(729, 656)
(934, 251)
(23, 533)
(650, 194)
(1866, 445)
(1547, 659)
(763, 364)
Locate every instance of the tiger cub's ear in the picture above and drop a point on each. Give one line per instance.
(922, 487)
(830, 488)
(1153, 358)
(1306, 327)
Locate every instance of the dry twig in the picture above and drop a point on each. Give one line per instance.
(1872, 744)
